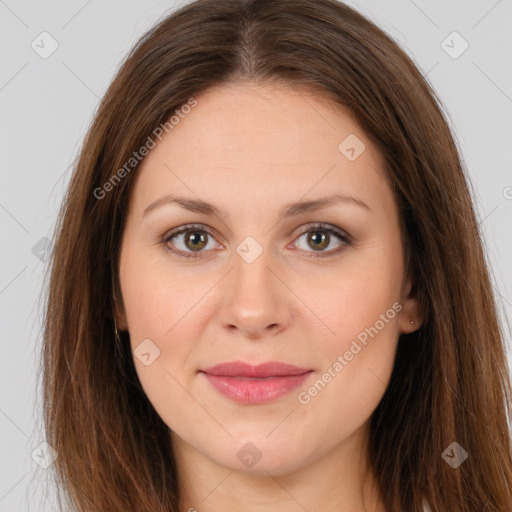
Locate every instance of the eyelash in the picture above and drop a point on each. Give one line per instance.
(198, 255)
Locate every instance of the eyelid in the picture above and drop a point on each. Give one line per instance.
(190, 227)
(322, 226)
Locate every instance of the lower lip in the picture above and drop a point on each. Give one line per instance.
(255, 390)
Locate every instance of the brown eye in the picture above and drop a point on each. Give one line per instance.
(190, 242)
(196, 240)
(318, 239)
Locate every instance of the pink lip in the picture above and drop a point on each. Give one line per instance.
(249, 384)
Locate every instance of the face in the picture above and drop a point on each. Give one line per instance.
(248, 278)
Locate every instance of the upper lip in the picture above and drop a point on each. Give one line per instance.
(242, 369)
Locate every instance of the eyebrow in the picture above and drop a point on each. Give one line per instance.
(288, 210)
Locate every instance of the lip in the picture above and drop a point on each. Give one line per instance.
(245, 383)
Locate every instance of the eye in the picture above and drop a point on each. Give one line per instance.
(190, 240)
(319, 237)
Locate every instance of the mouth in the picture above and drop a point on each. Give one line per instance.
(248, 384)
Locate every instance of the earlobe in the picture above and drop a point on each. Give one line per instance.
(411, 316)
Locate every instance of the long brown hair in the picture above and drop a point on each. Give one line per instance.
(450, 381)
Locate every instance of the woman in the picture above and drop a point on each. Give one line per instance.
(268, 289)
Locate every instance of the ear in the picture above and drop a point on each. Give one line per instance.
(120, 314)
(411, 310)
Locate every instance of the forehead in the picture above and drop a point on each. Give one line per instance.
(266, 141)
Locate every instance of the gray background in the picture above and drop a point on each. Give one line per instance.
(47, 105)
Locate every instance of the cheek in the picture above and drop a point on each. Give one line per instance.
(361, 307)
(357, 359)
(154, 298)
(353, 298)
(158, 309)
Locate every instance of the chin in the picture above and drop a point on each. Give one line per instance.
(259, 457)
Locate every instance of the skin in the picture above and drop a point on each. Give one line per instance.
(250, 149)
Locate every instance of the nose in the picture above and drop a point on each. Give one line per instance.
(256, 302)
